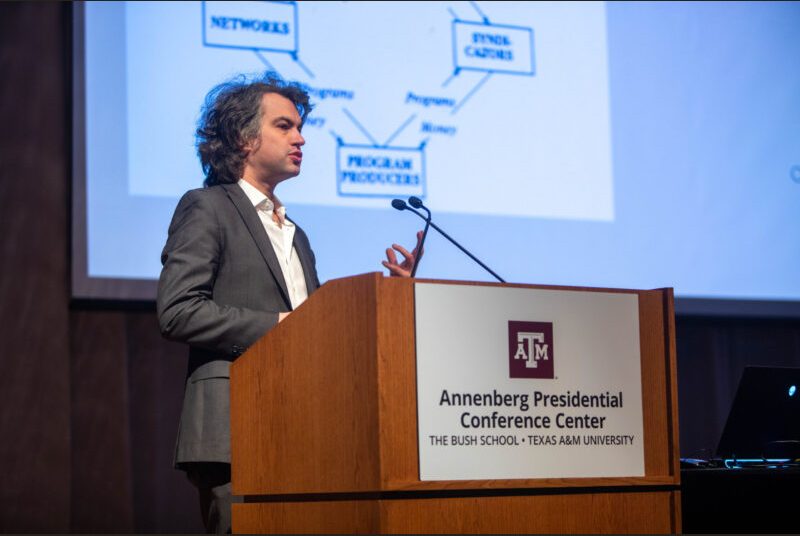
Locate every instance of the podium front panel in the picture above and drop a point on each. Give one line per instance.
(527, 383)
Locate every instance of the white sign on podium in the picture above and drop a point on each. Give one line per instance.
(527, 383)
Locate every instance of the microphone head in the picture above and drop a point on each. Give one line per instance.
(399, 204)
(415, 202)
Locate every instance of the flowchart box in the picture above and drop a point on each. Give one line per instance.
(370, 171)
(251, 25)
(495, 48)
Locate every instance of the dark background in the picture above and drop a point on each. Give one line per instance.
(90, 394)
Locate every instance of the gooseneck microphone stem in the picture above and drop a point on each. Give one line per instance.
(470, 255)
(403, 206)
(421, 242)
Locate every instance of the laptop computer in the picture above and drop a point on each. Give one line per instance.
(764, 420)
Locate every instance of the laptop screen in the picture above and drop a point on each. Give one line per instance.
(765, 410)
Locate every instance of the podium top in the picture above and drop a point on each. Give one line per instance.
(327, 400)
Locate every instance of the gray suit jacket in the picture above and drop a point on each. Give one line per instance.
(221, 289)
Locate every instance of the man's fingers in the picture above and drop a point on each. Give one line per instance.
(403, 251)
(395, 269)
(402, 269)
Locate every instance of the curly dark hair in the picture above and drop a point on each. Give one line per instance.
(231, 117)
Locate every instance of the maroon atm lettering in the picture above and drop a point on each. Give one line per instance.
(530, 349)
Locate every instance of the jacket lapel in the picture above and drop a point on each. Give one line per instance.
(305, 261)
(248, 213)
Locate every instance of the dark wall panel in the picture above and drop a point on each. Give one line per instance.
(127, 388)
(89, 399)
(101, 469)
(34, 384)
(163, 499)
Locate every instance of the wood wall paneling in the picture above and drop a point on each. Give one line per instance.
(34, 330)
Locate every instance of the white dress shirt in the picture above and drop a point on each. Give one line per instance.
(281, 237)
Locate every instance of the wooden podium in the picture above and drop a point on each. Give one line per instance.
(324, 431)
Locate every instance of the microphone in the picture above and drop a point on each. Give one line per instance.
(399, 204)
(416, 203)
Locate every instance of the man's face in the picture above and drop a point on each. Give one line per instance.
(276, 156)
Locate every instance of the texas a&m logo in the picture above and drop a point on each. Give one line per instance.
(530, 349)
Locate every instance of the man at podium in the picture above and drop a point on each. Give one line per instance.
(235, 264)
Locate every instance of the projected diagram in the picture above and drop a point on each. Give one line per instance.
(436, 100)
(375, 169)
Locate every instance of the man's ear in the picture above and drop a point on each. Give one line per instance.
(250, 145)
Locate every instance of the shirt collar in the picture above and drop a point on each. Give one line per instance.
(262, 202)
